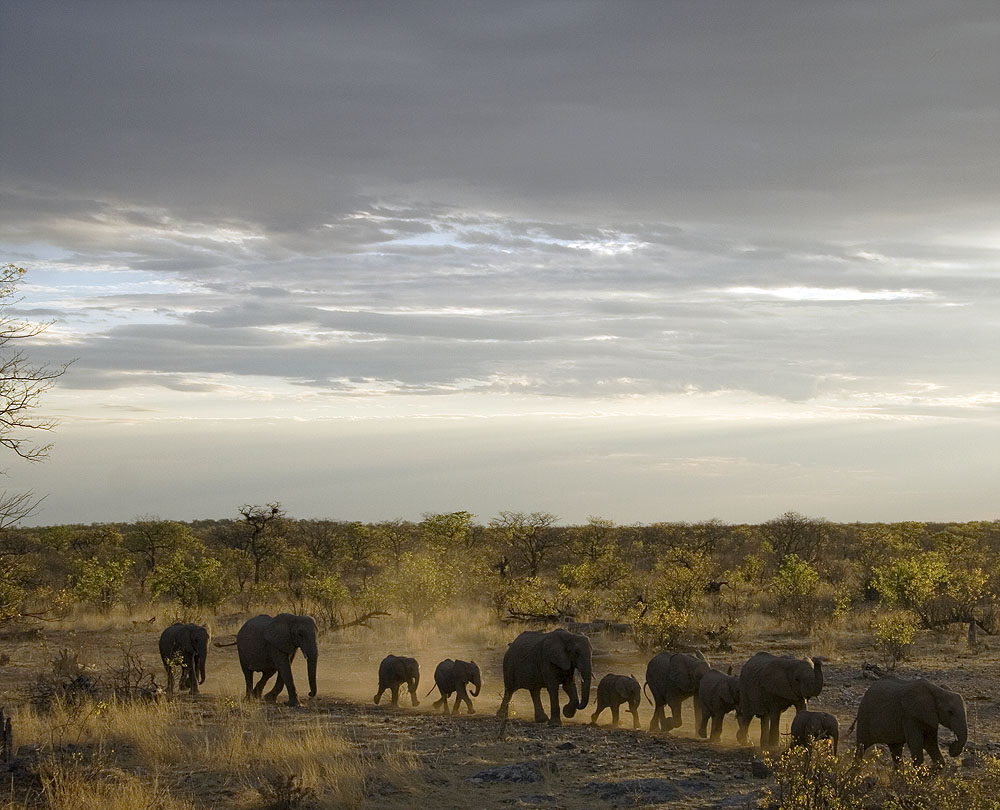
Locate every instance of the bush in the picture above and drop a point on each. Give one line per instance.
(659, 626)
(894, 633)
(796, 590)
(101, 584)
(194, 583)
(814, 779)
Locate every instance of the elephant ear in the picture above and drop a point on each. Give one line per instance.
(279, 635)
(919, 703)
(554, 649)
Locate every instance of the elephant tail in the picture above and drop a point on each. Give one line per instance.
(644, 692)
(851, 728)
(433, 687)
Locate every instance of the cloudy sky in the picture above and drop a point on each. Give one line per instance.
(649, 261)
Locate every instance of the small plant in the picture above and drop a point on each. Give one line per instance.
(285, 792)
(894, 633)
(659, 627)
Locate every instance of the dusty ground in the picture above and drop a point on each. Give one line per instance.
(575, 766)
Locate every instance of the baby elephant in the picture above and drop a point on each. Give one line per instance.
(614, 690)
(452, 676)
(718, 694)
(809, 725)
(394, 671)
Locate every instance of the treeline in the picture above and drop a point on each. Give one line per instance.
(664, 579)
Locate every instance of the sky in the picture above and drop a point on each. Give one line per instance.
(646, 261)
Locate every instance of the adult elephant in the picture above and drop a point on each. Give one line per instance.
(536, 660)
(769, 684)
(267, 644)
(672, 678)
(897, 712)
(186, 646)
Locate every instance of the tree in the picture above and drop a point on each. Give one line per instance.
(259, 538)
(531, 536)
(153, 540)
(22, 384)
(797, 534)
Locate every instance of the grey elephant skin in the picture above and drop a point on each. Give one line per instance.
(393, 672)
(267, 644)
(898, 712)
(672, 678)
(612, 692)
(809, 725)
(537, 660)
(769, 684)
(718, 694)
(451, 677)
(185, 645)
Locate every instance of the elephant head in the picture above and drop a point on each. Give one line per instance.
(796, 680)
(570, 652)
(288, 633)
(934, 705)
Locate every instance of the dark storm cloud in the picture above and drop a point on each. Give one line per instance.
(279, 114)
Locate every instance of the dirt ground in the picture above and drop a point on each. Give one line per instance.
(469, 762)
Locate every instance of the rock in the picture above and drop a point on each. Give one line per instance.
(520, 772)
(566, 746)
(649, 791)
(758, 769)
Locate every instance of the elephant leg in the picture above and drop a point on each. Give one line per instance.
(932, 748)
(658, 721)
(192, 674)
(702, 725)
(378, 694)
(697, 712)
(743, 727)
(574, 699)
(914, 740)
(634, 709)
(896, 749)
(554, 718)
(170, 677)
(394, 691)
(248, 677)
(716, 726)
(504, 709)
(463, 696)
(265, 676)
(467, 699)
(597, 711)
(285, 679)
(412, 687)
(536, 699)
(675, 713)
(765, 726)
(442, 701)
(615, 720)
(774, 730)
(272, 695)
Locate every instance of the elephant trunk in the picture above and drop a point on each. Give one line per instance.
(311, 655)
(477, 682)
(960, 727)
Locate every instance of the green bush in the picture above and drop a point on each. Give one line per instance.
(195, 583)
(797, 590)
(101, 584)
(894, 633)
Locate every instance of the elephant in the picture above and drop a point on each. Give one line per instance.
(395, 670)
(537, 660)
(672, 678)
(897, 712)
(452, 676)
(769, 684)
(809, 725)
(718, 694)
(185, 645)
(614, 690)
(268, 644)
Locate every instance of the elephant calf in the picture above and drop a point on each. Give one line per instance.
(614, 690)
(451, 677)
(718, 694)
(186, 646)
(809, 725)
(395, 670)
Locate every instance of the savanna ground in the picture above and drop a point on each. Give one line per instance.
(340, 750)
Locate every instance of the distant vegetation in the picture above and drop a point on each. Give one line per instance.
(667, 581)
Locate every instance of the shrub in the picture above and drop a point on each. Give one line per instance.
(659, 626)
(194, 583)
(101, 583)
(894, 633)
(796, 590)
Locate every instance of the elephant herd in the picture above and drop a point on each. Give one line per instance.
(893, 711)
